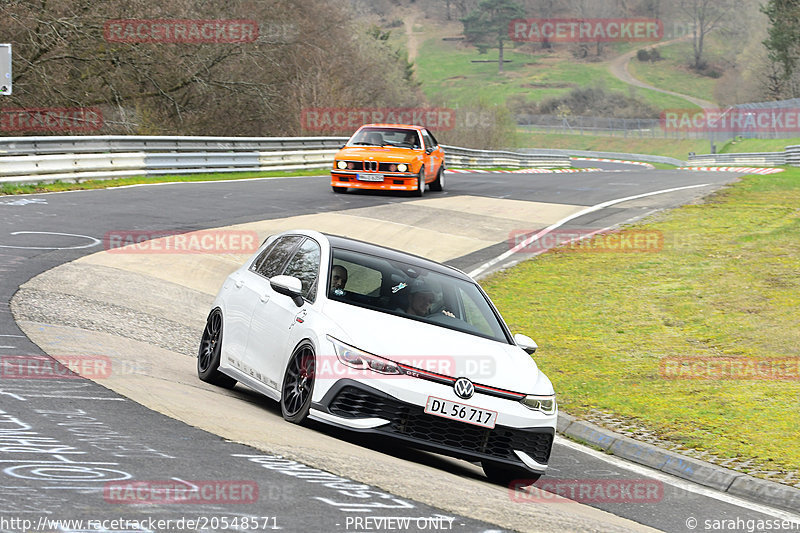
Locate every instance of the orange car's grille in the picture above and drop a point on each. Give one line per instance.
(371, 166)
(388, 167)
(354, 165)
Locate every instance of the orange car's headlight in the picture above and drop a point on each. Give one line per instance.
(341, 165)
(402, 167)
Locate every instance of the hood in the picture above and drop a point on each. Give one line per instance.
(389, 155)
(437, 349)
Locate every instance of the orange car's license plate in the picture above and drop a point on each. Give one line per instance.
(370, 177)
(460, 412)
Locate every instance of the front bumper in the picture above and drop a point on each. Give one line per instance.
(391, 181)
(359, 407)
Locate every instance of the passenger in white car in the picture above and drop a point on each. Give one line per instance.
(338, 280)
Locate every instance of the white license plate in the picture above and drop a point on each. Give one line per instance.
(460, 412)
(370, 177)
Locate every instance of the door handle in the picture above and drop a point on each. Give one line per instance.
(264, 298)
(239, 283)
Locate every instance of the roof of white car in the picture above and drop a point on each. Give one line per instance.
(355, 245)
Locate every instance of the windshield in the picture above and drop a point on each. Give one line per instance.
(412, 292)
(403, 138)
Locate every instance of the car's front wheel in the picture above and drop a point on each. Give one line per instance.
(209, 353)
(298, 384)
(438, 183)
(420, 183)
(504, 474)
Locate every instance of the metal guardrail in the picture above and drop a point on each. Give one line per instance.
(143, 143)
(749, 159)
(456, 157)
(41, 159)
(793, 155)
(611, 155)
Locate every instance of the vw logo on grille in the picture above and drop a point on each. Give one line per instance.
(464, 388)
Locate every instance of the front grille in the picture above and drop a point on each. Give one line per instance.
(386, 167)
(412, 422)
(354, 165)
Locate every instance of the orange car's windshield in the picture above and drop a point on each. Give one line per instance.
(398, 137)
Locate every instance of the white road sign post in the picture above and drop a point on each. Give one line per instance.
(5, 69)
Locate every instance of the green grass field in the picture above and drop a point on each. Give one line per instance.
(450, 78)
(678, 148)
(672, 74)
(725, 285)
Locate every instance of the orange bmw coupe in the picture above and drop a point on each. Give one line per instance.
(389, 157)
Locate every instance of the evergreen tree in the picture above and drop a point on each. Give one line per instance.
(487, 25)
(783, 41)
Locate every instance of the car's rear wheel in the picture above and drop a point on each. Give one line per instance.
(338, 190)
(298, 384)
(438, 184)
(420, 183)
(504, 474)
(209, 353)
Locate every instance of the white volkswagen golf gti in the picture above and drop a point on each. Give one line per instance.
(380, 341)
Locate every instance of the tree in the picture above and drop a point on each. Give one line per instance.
(783, 41)
(704, 16)
(487, 26)
(63, 59)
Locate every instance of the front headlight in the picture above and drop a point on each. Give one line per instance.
(545, 404)
(402, 167)
(341, 164)
(355, 358)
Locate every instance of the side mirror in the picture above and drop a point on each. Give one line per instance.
(289, 286)
(526, 343)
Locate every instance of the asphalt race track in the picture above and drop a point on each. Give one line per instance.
(65, 442)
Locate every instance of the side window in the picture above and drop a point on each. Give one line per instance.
(435, 142)
(271, 260)
(305, 267)
(262, 256)
(430, 143)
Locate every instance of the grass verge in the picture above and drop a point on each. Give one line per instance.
(725, 285)
(33, 188)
